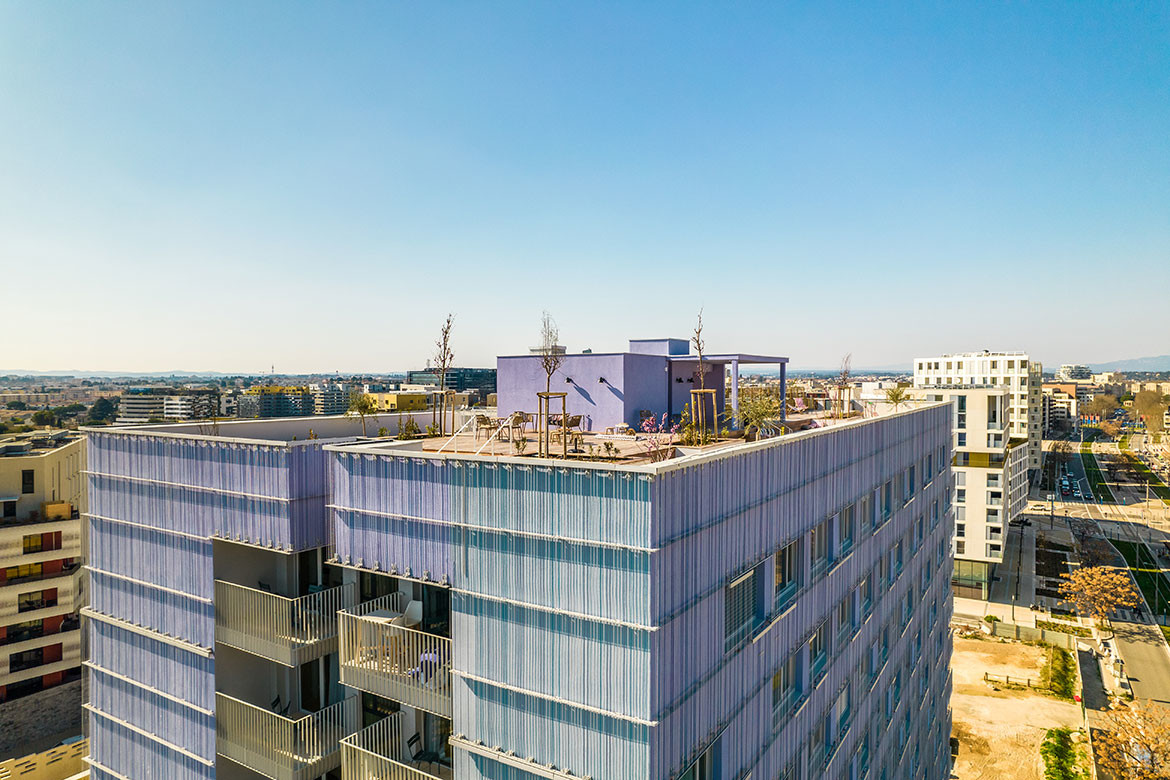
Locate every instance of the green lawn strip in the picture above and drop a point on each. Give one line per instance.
(1061, 760)
(1064, 628)
(1059, 673)
(1096, 481)
(1154, 585)
(1157, 486)
(1165, 632)
(1123, 442)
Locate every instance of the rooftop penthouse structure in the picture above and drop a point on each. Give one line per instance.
(608, 388)
(289, 606)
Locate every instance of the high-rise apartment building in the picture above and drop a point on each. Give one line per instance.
(991, 479)
(266, 604)
(1021, 377)
(41, 584)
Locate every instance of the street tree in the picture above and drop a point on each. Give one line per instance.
(1148, 403)
(362, 405)
(1133, 742)
(444, 357)
(1101, 406)
(1097, 591)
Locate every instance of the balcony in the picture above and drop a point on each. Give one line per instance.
(381, 654)
(279, 747)
(289, 631)
(376, 752)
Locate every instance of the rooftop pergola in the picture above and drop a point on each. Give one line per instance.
(734, 360)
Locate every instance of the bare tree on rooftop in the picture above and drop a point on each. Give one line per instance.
(444, 357)
(698, 343)
(843, 382)
(551, 354)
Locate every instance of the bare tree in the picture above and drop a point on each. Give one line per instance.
(697, 341)
(551, 354)
(1134, 741)
(1097, 591)
(843, 382)
(444, 357)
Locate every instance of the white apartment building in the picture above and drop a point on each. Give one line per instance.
(1021, 377)
(1073, 372)
(991, 479)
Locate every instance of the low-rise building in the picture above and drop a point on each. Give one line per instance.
(458, 379)
(1073, 372)
(330, 398)
(41, 581)
(400, 402)
(275, 401)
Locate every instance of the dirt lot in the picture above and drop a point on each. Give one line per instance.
(1000, 731)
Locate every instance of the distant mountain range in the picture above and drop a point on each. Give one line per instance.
(1154, 363)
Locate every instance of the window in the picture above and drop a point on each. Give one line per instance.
(740, 610)
(818, 653)
(18, 662)
(848, 527)
(819, 545)
(26, 571)
(9, 509)
(887, 500)
(33, 543)
(961, 411)
(960, 529)
(27, 481)
(960, 547)
(785, 686)
(960, 495)
(787, 575)
(844, 615)
(994, 551)
(960, 440)
(704, 768)
(39, 599)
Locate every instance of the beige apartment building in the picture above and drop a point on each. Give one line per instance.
(41, 582)
(990, 468)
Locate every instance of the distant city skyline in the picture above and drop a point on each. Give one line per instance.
(206, 187)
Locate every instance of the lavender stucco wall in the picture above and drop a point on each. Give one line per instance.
(632, 382)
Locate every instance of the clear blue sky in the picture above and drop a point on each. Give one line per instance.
(223, 186)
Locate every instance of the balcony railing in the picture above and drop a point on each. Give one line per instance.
(376, 752)
(286, 630)
(64, 571)
(379, 654)
(280, 747)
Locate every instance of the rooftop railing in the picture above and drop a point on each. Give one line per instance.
(290, 631)
(280, 747)
(380, 654)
